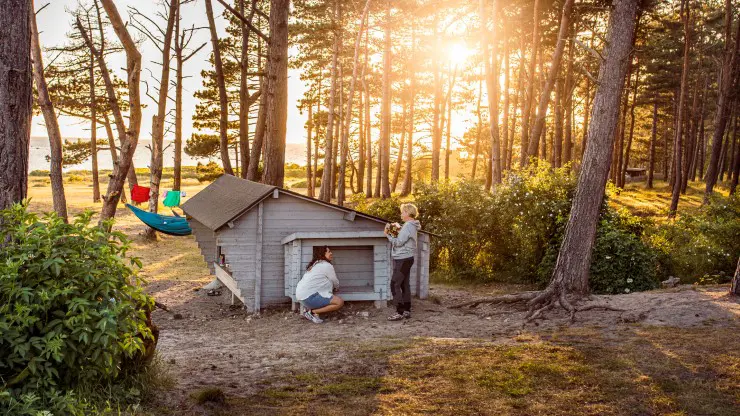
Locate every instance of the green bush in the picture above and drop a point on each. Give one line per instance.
(513, 233)
(388, 209)
(44, 173)
(72, 313)
(702, 246)
(621, 261)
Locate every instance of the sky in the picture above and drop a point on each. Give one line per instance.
(55, 22)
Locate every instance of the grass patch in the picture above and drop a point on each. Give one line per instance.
(209, 395)
(580, 371)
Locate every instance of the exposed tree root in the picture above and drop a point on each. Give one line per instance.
(161, 306)
(541, 302)
(514, 298)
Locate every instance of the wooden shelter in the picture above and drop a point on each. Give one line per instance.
(258, 239)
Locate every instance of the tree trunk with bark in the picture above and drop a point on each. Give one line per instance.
(222, 97)
(478, 130)
(628, 148)
(406, 189)
(492, 87)
(129, 137)
(348, 114)
(729, 67)
(557, 57)
(653, 138)
(50, 118)
(568, 100)
(570, 276)
(158, 120)
(16, 94)
(678, 141)
(529, 97)
(436, 128)
(505, 121)
(385, 110)
(327, 179)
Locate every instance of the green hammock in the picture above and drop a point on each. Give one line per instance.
(172, 225)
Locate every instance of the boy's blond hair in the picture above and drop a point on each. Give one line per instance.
(410, 209)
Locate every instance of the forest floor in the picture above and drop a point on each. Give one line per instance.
(673, 351)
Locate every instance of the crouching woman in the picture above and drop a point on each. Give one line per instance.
(315, 289)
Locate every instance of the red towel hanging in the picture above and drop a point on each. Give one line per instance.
(140, 194)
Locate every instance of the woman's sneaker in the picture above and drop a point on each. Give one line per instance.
(311, 317)
(406, 315)
(396, 317)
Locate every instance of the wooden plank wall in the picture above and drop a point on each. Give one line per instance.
(287, 215)
(240, 247)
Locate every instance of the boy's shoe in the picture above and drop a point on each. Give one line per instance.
(396, 317)
(406, 315)
(311, 317)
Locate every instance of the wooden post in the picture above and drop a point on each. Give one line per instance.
(258, 262)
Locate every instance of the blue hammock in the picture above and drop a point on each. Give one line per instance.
(177, 226)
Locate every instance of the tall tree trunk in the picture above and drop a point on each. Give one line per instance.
(570, 275)
(348, 114)
(94, 132)
(16, 94)
(309, 143)
(50, 118)
(478, 129)
(492, 86)
(368, 132)
(628, 148)
(179, 59)
(410, 141)
(222, 97)
(401, 143)
(128, 137)
(385, 109)
(406, 189)
(529, 97)
(277, 94)
(653, 138)
(557, 145)
(505, 121)
(736, 161)
(327, 178)
(586, 115)
(436, 128)
(729, 67)
(616, 167)
(158, 120)
(255, 154)
(679, 122)
(337, 128)
(557, 57)
(519, 92)
(691, 134)
(244, 99)
(568, 101)
(449, 123)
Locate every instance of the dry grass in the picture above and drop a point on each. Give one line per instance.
(579, 371)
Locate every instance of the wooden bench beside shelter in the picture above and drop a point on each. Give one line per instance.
(264, 236)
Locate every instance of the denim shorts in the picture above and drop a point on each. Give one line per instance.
(316, 301)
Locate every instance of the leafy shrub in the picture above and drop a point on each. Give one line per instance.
(71, 310)
(388, 209)
(74, 178)
(513, 234)
(44, 173)
(702, 246)
(209, 172)
(621, 261)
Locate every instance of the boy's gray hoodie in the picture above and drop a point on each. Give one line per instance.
(404, 246)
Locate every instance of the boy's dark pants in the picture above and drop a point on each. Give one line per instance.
(400, 288)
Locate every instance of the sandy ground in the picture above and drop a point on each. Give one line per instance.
(217, 344)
